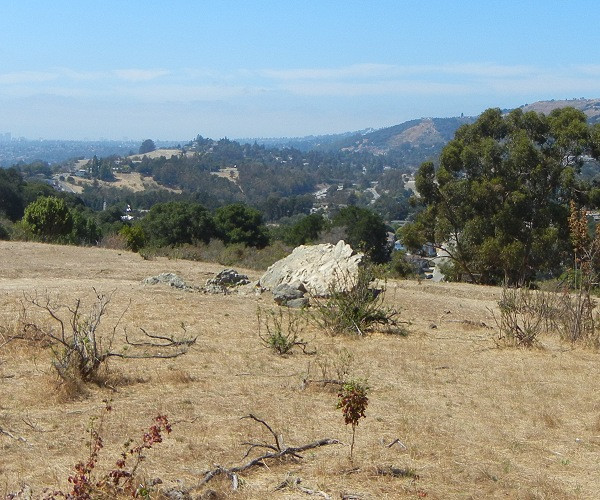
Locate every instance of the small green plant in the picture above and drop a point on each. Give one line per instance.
(353, 400)
(281, 331)
(353, 306)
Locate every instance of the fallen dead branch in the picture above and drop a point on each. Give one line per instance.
(322, 382)
(12, 436)
(277, 451)
(293, 483)
(398, 442)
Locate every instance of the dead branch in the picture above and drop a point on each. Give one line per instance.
(294, 484)
(256, 419)
(398, 442)
(278, 452)
(12, 436)
(389, 470)
(326, 381)
(169, 341)
(78, 348)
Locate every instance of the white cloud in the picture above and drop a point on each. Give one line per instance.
(351, 89)
(23, 77)
(139, 75)
(353, 71)
(451, 79)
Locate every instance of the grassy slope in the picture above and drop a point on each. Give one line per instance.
(476, 421)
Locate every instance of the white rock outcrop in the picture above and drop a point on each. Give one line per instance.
(316, 267)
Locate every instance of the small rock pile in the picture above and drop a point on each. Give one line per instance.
(170, 279)
(224, 281)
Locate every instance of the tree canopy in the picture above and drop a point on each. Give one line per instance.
(147, 146)
(498, 203)
(365, 231)
(239, 223)
(49, 218)
(176, 223)
(12, 201)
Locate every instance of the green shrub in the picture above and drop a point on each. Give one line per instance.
(399, 267)
(281, 331)
(353, 306)
(135, 237)
(48, 218)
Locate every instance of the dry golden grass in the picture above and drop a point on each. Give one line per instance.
(157, 153)
(472, 420)
(133, 181)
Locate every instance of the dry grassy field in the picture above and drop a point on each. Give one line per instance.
(469, 419)
(133, 181)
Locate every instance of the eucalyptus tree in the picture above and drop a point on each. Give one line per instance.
(498, 203)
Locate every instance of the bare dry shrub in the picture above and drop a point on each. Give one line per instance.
(331, 369)
(524, 315)
(113, 241)
(80, 351)
(577, 320)
(339, 364)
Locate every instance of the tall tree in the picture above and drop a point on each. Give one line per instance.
(176, 223)
(365, 231)
(498, 203)
(12, 201)
(49, 218)
(147, 146)
(239, 223)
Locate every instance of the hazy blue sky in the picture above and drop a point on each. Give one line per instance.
(172, 69)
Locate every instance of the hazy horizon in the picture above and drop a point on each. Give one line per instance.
(281, 69)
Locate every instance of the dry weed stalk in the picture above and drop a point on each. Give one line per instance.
(334, 369)
(524, 314)
(577, 310)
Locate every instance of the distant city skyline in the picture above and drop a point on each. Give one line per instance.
(172, 70)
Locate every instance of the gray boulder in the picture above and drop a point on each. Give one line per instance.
(170, 279)
(225, 280)
(285, 292)
(316, 267)
(299, 303)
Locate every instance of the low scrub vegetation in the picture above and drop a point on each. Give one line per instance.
(281, 330)
(568, 309)
(354, 305)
